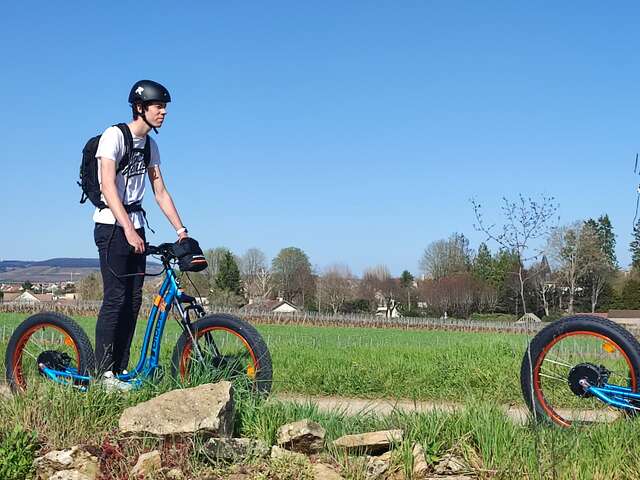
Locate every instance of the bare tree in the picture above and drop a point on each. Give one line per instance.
(525, 221)
(379, 287)
(604, 265)
(457, 295)
(214, 257)
(541, 278)
(263, 283)
(446, 257)
(255, 273)
(575, 249)
(488, 298)
(292, 274)
(90, 287)
(600, 274)
(335, 286)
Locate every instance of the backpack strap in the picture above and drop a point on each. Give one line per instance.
(147, 151)
(128, 144)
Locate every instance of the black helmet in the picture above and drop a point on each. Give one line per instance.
(144, 91)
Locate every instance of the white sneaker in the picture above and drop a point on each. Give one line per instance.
(112, 384)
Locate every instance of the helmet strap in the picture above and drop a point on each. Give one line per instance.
(145, 119)
(147, 122)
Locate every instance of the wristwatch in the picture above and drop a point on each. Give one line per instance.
(182, 229)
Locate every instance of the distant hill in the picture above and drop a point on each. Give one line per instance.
(52, 262)
(54, 269)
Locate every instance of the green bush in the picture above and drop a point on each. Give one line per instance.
(17, 452)
(553, 316)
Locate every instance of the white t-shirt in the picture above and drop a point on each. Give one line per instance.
(111, 146)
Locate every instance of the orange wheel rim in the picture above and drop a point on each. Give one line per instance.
(186, 353)
(18, 374)
(611, 347)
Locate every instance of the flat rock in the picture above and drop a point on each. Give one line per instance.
(304, 436)
(235, 449)
(372, 442)
(206, 409)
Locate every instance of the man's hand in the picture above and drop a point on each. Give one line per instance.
(134, 240)
(182, 236)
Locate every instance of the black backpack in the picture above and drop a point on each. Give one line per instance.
(89, 181)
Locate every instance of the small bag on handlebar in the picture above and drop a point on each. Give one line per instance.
(190, 256)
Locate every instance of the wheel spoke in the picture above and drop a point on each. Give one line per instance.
(227, 355)
(567, 361)
(558, 363)
(48, 344)
(564, 380)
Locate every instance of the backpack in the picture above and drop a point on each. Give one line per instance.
(89, 182)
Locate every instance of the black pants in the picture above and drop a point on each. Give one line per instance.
(122, 297)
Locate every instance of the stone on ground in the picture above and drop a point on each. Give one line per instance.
(304, 436)
(372, 442)
(206, 409)
(147, 464)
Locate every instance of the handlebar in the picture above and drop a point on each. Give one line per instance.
(165, 249)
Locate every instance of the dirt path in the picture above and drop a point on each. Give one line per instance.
(518, 415)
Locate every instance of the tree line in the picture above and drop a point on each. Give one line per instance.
(528, 263)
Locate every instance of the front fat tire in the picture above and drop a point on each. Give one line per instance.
(86, 362)
(625, 340)
(264, 371)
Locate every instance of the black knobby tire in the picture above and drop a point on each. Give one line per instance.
(250, 337)
(85, 358)
(559, 329)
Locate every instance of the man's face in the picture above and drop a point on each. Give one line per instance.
(155, 113)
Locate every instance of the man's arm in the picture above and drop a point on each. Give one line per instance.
(110, 192)
(164, 199)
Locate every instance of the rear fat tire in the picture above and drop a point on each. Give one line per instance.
(622, 337)
(86, 360)
(264, 371)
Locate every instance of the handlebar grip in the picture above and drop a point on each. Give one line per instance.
(151, 249)
(148, 249)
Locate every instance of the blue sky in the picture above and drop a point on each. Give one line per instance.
(357, 131)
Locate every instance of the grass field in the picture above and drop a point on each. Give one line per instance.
(478, 370)
(370, 363)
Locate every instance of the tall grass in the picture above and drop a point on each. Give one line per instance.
(371, 363)
(480, 433)
(492, 445)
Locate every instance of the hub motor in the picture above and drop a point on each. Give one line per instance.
(585, 375)
(53, 360)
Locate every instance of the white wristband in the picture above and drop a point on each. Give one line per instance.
(180, 230)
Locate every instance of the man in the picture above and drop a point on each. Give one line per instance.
(119, 229)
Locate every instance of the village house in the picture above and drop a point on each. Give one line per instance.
(278, 305)
(27, 297)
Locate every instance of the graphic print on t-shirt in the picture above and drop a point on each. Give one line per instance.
(136, 165)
